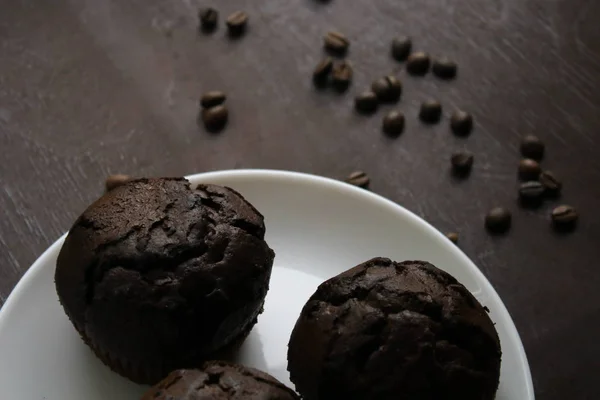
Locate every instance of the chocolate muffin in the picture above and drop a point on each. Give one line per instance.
(387, 330)
(157, 276)
(218, 380)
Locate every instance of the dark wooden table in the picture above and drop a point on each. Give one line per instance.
(89, 88)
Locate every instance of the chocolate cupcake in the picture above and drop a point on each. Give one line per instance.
(218, 380)
(387, 330)
(158, 276)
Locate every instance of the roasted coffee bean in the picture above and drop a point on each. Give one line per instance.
(431, 111)
(212, 98)
(444, 68)
(209, 19)
(215, 118)
(322, 72)
(552, 184)
(461, 123)
(388, 89)
(453, 237)
(564, 217)
(341, 76)
(418, 63)
(380, 87)
(237, 23)
(532, 147)
(336, 43)
(401, 48)
(529, 169)
(498, 220)
(393, 123)
(531, 193)
(358, 178)
(115, 181)
(462, 162)
(366, 102)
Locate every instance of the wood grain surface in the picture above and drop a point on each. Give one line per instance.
(89, 88)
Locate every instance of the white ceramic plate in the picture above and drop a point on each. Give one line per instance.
(318, 228)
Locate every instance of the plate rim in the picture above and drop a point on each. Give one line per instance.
(28, 277)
